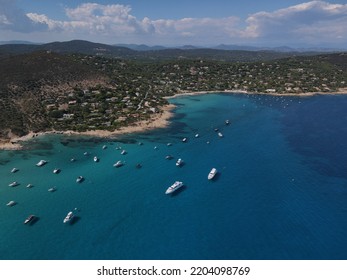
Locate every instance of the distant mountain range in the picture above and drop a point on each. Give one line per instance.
(153, 53)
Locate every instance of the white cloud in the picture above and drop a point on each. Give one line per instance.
(311, 22)
(14, 19)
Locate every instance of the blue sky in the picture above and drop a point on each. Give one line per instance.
(198, 22)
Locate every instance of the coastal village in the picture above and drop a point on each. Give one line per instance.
(117, 93)
(137, 89)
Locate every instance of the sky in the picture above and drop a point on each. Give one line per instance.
(271, 23)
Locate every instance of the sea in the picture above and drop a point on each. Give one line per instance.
(280, 191)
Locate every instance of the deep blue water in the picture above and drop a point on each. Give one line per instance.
(281, 191)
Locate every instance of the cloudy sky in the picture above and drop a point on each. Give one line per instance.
(178, 22)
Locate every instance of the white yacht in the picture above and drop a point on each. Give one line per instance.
(29, 219)
(175, 186)
(220, 134)
(212, 173)
(68, 217)
(52, 189)
(184, 139)
(13, 184)
(79, 179)
(96, 159)
(29, 186)
(14, 170)
(118, 164)
(42, 162)
(124, 152)
(197, 135)
(56, 170)
(11, 203)
(179, 162)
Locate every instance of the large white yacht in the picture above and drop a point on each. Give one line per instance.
(13, 184)
(68, 217)
(175, 186)
(79, 179)
(42, 162)
(29, 219)
(118, 164)
(179, 162)
(212, 173)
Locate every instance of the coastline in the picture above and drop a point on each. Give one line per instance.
(341, 91)
(160, 120)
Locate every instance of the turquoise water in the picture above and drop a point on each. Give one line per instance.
(281, 191)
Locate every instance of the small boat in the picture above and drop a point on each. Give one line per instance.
(169, 157)
(123, 152)
(227, 122)
(52, 189)
(14, 170)
(212, 173)
(79, 179)
(11, 203)
(169, 144)
(220, 134)
(68, 217)
(184, 139)
(85, 153)
(42, 162)
(96, 159)
(104, 147)
(118, 164)
(140, 143)
(179, 162)
(29, 219)
(13, 184)
(216, 129)
(29, 186)
(56, 170)
(175, 186)
(72, 159)
(196, 135)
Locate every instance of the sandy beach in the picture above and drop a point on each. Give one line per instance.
(158, 120)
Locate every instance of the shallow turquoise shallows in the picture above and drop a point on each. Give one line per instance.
(280, 191)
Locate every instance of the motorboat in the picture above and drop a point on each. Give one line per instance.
(197, 135)
(123, 152)
(212, 173)
(227, 122)
(104, 147)
(42, 162)
(175, 186)
(184, 139)
(118, 164)
(79, 179)
(68, 217)
(56, 170)
(11, 203)
(169, 144)
(52, 189)
(29, 186)
(13, 184)
(179, 162)
(169, 157)
(14, 170)
(29, 219)
(96, 159)
(220, 134)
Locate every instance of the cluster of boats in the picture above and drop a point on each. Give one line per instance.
(70, 215)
